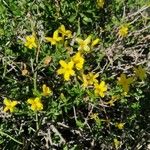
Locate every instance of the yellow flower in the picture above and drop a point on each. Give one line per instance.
(64, 32)
(36, 103)
(89, 79)
(78, 61)
(100, 3)
(84, 80)
(83, 44)
(113, 100)
(46, 90)
(140, 72)
(66, 69)
(120, 125)
(30, 42)
(116, 143)
(125, 82)
(100, 88)
(123, 31)
(53, 40)
(94, 116)
(92, 78)
(10, 105)
(95, 42)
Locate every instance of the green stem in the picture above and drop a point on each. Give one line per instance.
(37, 121)
(5, 134)
(37, 52)
(34, 80)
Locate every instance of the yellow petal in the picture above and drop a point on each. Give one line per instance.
(55, 34)
(72, 72)
(116, 143)
(59, 39)
(33, 107)
(14, 103)
(34, 45)
(71, 64)
(126, 88)
(101, 94)
(44, 87)
(60, 71)
(37, 99)
(102, 83)
(130, 80)
(6, 109)
(123, 76)
(26, 44)
(103, 86)
(49, 39)
(63, 63)
(66, 76)
(96, 75)
(30, 101)
(87, 48)
(6, 101)
(12, 109)
(46, 90)
(62, 28)
(28, 38)
(88, 39)
(96, 92)
(79, 66)
(95, 42)
(68, 33)
(79, 40)
(32, 39)
(30, 46)
(39, 106)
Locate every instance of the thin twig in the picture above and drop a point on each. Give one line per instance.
(139, 11)
(54, 129)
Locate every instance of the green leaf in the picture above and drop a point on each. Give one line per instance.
(79, 124)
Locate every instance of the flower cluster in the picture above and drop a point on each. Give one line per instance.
(36, 103)
(56, 35)
(67, 68)
(126, 82)
(89, 79)
(74, 65)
